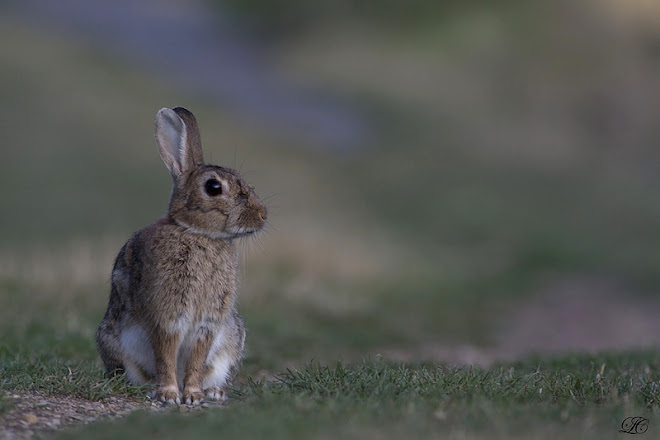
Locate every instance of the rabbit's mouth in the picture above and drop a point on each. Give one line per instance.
(248, 222)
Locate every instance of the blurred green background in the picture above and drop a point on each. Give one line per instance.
(447, 181)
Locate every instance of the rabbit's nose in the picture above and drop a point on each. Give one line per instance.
(263, 215)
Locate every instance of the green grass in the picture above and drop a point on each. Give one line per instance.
(583, 397)
(47, 346)
(51, 375)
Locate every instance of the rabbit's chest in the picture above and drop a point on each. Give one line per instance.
(196, 283)
(208, 280)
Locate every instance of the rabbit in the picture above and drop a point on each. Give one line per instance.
(171, 319)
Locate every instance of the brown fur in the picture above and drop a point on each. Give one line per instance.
(173, 297)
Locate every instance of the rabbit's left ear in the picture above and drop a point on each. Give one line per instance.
(178, 140)
(192, 134)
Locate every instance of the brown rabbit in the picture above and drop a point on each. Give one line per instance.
(172, 318)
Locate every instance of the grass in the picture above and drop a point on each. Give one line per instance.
(51, 375)
(575, 397)
(52, 354)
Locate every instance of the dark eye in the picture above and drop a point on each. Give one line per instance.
(213, 187)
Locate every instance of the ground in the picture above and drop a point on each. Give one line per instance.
(31, 413)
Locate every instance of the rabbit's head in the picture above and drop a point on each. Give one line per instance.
(206, 199)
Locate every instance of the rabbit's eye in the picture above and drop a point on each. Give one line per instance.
(213, 187)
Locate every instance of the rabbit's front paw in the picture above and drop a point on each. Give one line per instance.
(192, 396)
(215, 393)
(168, 394)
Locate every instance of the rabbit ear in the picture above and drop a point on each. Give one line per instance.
(173, 139)
(194, 138)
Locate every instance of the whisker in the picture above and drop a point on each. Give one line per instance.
(256, 239)
(267, 228)
(269, 197)
(245, 257)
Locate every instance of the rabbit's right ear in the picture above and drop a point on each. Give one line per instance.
(173, 139)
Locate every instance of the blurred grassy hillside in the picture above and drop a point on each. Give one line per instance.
(511, 146)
